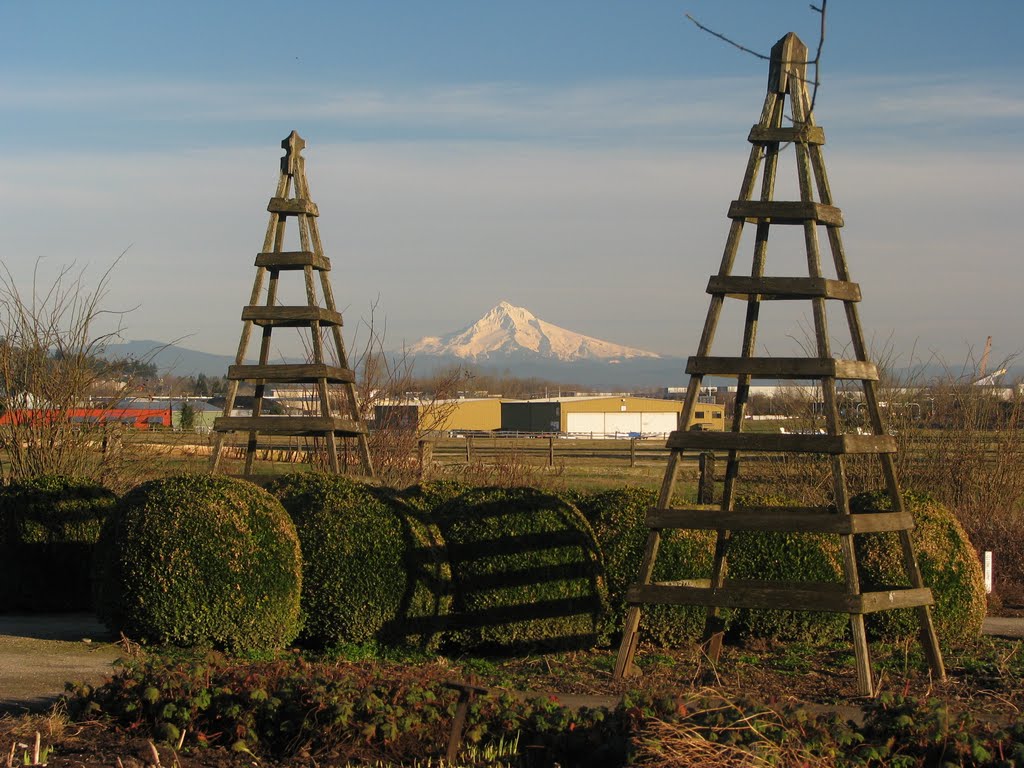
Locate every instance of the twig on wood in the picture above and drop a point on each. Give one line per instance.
(815, 62)
(731, 42)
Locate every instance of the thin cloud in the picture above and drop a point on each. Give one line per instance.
(614, 112)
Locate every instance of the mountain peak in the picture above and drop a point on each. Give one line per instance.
(507, 331)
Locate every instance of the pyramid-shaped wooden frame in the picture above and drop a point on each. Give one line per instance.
(786, 79)
(292, 200)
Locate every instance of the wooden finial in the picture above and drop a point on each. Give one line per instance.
(293, 147)
(789, 57)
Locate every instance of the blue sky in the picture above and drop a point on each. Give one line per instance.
(573, 157)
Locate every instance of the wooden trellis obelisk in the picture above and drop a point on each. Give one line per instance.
(332, 381)
(786, 79)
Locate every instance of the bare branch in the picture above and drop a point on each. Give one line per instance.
(815, 62)
(722, 37)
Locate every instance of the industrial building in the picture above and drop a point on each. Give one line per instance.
(463, 414)
(601, 416)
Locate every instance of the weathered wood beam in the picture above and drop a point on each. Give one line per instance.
(296, 317)
(293, 260)
(783, 288)
(782, 367)
(782, 443)
(299, 374)
(779, 519)
(289, 425)
(785, 212)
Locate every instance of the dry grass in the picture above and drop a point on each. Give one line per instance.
(662, 744)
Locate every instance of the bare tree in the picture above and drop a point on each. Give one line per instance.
(51, 362)
(401, 415)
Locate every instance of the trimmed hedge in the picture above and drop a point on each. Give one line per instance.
(948, 563)
(618, 518)
(785, 557)
(374, 568)
(527, 572)
(196, 560)
(428, 497)
(49, 526)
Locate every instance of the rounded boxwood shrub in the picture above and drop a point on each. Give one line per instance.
(374, 568)
(49, 526)
(948, 563)
(618, 518)
(201, 560)
(428, 497)
(785, 557)
(527, 572)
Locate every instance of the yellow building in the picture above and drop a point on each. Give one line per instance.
(469, 414)
(605, 416)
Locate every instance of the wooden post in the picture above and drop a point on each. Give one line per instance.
(551, 451)
(706, 478)
(632, 451)
(424, 453)
(469, 449)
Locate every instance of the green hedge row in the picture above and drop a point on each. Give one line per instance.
(49, 526)
(947, 561)
(330, 561)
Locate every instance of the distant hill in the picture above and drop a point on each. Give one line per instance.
(170, 358)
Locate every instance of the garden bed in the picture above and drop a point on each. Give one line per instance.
(763, 702)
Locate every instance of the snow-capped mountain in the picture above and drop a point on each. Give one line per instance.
(510, 332)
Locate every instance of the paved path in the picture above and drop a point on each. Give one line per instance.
(38, 654)
(1001, 626)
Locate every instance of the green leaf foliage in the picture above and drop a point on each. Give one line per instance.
(374, 567)
(49, 526)
(785, 557)
(200, 560)
(428, 497)
(948, 563)
(618, 519)
(526, 568)
(299, 712)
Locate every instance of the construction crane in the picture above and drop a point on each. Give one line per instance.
(991, 379)
(984, 357)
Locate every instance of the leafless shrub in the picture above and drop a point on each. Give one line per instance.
(509, 469)
(51, 363)
(401, 416)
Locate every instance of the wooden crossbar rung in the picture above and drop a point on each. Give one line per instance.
(898, 597)
(779, 519)
(299, 374)
(783, 288)
(782, 443)
(763, 134)
(786, 596)
(296, 206)
(289, 425)
(785, 212)
(295, 317)
(782, 367)
(293, 260)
